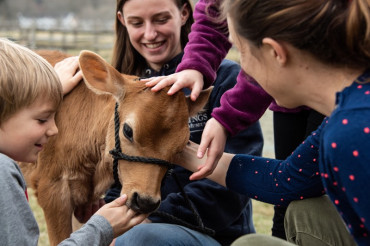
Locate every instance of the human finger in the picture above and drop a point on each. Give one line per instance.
(209, 166)
(176, 87)
(68, 83)
(138, 218)
(152, 79)
(196, 91)
(67, 63)
(120, 201)
(203, 172)
(203, 146)
(77, 77)
(162, 83)
(126, 220)
(150, 82)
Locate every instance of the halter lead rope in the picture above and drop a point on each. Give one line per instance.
(118, 155)
(200, 227)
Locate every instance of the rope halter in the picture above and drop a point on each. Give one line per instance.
(118, 155)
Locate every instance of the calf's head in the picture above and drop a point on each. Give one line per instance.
(151, 125)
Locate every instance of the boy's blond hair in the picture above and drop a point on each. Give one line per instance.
(25, 77)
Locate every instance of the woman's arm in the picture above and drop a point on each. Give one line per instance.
(188, 159)
(268, 180)
(208, 41)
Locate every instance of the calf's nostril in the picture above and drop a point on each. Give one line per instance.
(144, 204)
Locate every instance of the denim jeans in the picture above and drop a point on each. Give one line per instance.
(161, 234)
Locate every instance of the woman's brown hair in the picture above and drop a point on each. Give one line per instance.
(125, 58)
(336, 32)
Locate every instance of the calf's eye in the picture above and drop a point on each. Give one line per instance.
(127, 132)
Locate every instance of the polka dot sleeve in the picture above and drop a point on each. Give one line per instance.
(276, 181)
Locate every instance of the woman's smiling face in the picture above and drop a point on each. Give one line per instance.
(262, 63)
(154, 28)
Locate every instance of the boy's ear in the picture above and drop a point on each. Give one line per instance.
(277, 50)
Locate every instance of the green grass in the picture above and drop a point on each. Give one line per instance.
(39, 215)
(233, 55)
(262, 217)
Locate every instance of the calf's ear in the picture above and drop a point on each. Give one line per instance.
(99, 75)
(195, 106)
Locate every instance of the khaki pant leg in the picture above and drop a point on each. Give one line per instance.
(316, 222)
(260, 240)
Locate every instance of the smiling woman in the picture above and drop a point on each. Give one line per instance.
(150, 35)
(153, 32)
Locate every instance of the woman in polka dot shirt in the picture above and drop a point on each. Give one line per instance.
(314, 53)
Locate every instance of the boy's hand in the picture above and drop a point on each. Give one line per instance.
(68, 73)
(120, 216)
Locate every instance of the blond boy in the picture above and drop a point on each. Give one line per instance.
(30, 94)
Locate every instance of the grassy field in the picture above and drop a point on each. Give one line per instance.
(262, 216)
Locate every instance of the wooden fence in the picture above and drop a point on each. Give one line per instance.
(98, 39)
(72, 41)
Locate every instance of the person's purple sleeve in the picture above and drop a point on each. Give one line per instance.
(208, 42)
(208, 45)
(242, 105)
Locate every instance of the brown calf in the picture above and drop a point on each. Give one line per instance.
(75, 168)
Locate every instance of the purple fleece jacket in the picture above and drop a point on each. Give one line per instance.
(208, 45)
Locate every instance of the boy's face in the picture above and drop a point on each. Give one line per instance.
(25, 133)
